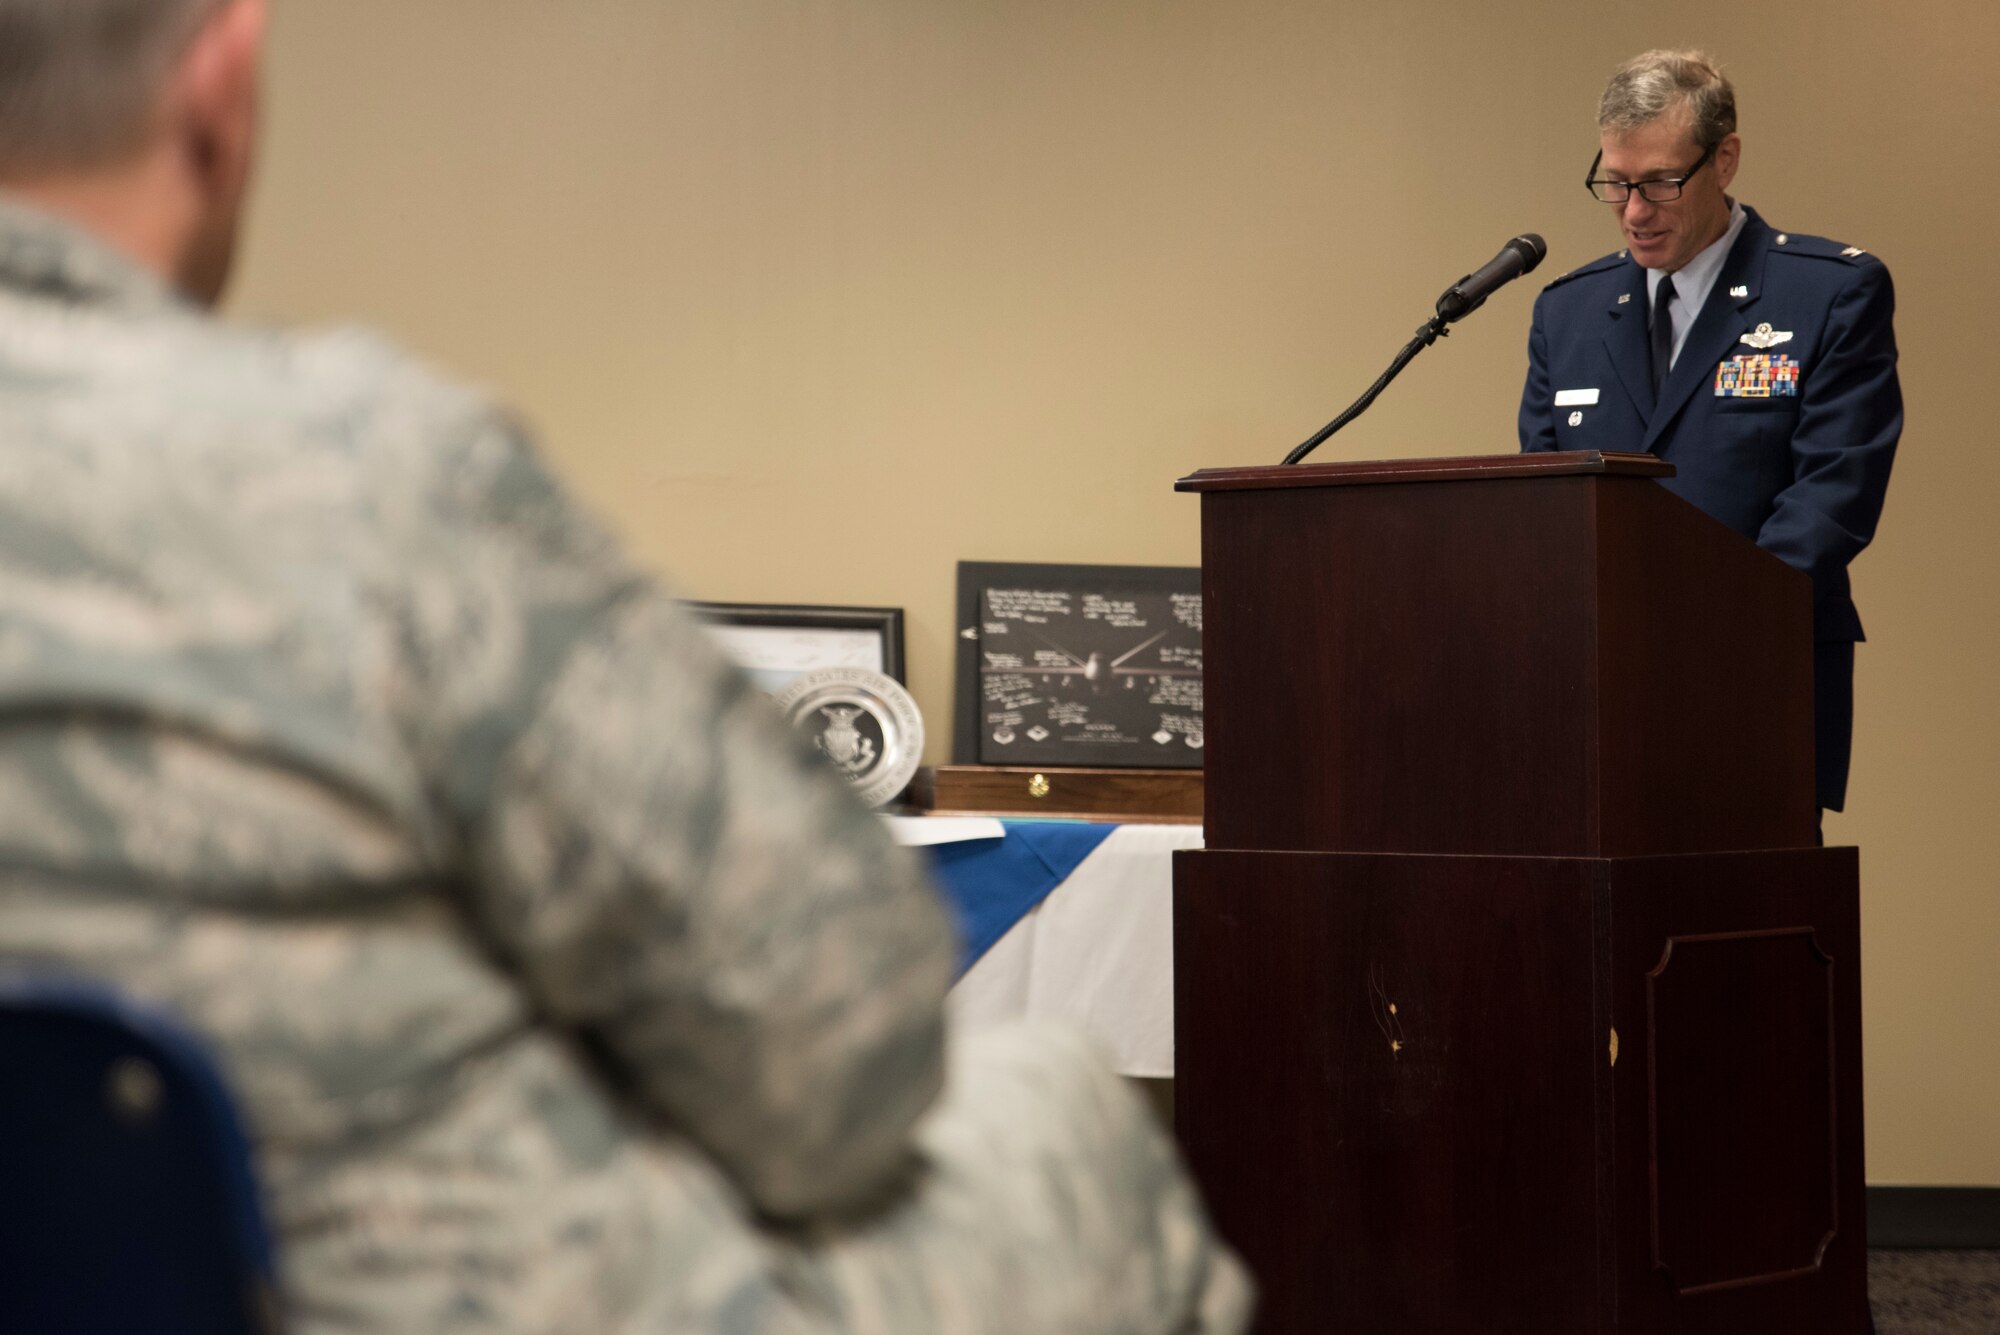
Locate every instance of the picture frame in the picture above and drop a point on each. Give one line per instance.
(1090, 666)
(776, 642)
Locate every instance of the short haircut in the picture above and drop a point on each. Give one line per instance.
(1652, 85)
(79, 78)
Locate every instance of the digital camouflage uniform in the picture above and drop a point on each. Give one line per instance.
(563, 991)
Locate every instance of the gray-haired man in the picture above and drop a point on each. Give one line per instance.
(564, 992)
(1761, 363)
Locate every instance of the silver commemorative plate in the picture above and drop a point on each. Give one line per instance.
(864, 723)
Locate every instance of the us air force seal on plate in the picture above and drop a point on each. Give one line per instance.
(863, 722)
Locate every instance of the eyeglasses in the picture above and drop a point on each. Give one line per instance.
(1658, 190)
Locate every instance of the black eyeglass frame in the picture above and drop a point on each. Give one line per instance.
(1679, 183)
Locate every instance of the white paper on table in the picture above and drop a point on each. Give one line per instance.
(921, 831)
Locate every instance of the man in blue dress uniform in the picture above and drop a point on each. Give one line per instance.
(1760, 363)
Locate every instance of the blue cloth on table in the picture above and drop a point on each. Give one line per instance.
(991, 884)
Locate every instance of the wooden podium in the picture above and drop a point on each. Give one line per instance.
(1511, 993)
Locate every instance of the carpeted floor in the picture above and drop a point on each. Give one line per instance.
(1935, 1293)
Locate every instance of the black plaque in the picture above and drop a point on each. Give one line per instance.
(1079, 665)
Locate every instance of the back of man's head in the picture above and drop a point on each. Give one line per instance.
(80, 80)
(136, 119)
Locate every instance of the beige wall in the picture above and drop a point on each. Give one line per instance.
(815, 298)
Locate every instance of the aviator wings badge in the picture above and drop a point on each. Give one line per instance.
(1763, 337)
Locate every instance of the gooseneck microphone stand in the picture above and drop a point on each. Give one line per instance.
(1428, 333)
(1468, 294)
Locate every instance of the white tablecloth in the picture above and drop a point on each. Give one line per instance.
(1098, 952)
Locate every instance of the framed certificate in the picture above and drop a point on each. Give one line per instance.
(777, 642)
(1078, 665)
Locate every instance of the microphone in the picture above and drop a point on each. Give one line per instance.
(1469, 293)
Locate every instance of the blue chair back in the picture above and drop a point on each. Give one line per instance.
(128, 1198)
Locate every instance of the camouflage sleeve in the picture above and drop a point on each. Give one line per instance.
(666, 866)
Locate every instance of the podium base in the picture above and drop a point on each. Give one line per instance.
(1441, 1095)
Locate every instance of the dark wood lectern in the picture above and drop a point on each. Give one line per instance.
(1511, 994)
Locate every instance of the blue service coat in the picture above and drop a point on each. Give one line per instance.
(1802, 471)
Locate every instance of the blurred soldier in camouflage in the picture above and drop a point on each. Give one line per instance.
(564, 993)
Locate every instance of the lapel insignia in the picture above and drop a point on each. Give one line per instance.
(1758, 377)
(1852, 251)
(1739, 291)
(1763, 336)
(1624, 297)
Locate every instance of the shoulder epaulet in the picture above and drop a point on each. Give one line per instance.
(1819, 248)
(1595, 266)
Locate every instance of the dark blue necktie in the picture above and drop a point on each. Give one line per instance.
(1663, 333)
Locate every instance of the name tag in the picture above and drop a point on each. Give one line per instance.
(1576, 398)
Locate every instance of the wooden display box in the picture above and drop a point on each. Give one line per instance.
(1130, 796)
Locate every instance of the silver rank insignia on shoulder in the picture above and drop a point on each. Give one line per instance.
(1852, 251)
(1739, 291)
(1763, 336)
(1624, 297)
